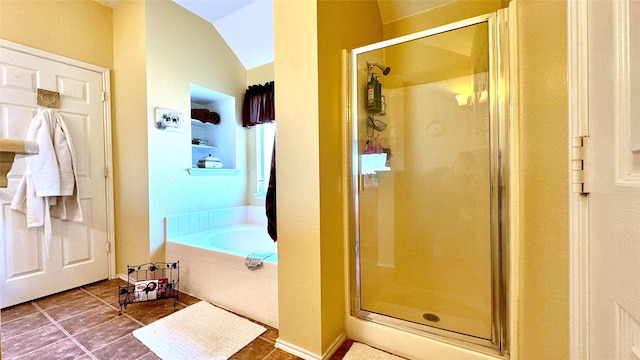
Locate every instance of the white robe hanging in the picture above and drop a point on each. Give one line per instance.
(49, 186)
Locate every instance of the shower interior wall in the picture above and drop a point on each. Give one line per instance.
(447, 273)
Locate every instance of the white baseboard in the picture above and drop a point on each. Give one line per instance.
(305, 354)
(334, 346)
(297, 351)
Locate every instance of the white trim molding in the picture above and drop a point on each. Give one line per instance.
(307, 355)
(578, 113)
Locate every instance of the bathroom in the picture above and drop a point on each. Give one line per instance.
(313, 278)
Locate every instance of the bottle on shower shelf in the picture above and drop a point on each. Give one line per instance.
(374, 92)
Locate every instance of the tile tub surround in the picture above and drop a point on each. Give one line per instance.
(220, 278)
(187, 224)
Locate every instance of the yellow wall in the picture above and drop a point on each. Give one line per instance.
(341, 25)
(130, 161)
(260, 74)
(178, 56)
(544, 219)
(459, 10)
(309, 109)
(297, 153)
(79, 30)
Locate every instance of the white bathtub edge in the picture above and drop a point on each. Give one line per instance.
(248, 292)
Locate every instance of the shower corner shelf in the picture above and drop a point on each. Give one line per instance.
(149, 282)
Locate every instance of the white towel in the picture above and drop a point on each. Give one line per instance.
(49, 186)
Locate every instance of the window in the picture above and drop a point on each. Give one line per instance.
(265, 135)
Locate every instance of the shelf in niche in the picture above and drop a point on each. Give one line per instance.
(214, 148)
(221, 138)
(196, 122)
(212, 172)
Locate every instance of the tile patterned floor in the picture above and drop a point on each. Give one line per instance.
(83, 324)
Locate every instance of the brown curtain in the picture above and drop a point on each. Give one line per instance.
(258, 106)
(270, 201)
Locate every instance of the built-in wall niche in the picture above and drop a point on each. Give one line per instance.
(218, 140)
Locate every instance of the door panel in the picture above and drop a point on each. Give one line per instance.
(614, 200)
(79, 252)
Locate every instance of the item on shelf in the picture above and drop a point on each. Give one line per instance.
(206, 116)
(210, 162)
(196, 141)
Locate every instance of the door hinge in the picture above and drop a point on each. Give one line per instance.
(104, 96)
(108, 247)
(580, 151)
(106, 171)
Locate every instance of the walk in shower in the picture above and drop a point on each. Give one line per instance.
(429, 154)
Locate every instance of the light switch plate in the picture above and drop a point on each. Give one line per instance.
(169, 120)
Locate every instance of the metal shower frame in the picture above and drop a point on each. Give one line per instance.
(499, 101)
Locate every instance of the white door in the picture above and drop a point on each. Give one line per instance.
(614, 199)
(79, 251)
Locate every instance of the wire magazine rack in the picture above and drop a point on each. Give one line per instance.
(150, 282)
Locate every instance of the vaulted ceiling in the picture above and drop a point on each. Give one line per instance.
(247, 25)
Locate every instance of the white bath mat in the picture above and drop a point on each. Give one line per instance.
(199, 331)
(359, 351)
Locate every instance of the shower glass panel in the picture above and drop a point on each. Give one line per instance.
(427, 192)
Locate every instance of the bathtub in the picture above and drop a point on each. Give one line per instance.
(241, 240)
(212, 264)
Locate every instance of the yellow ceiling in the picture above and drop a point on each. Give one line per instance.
(393, 10)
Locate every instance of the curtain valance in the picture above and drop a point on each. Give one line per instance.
(258, 107)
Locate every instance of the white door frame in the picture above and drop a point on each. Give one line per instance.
(578, 111)
(106, 89)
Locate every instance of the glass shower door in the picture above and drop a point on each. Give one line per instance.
(427, 186)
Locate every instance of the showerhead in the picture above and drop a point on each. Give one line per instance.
(385, 69)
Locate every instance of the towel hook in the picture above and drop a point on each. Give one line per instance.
(48, 98)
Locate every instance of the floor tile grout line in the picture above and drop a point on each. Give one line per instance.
(65, 332)
(269, 354)
(39, 311)
(127, 315)
(121, 337)
(83, 312)
(111, 306)
(123, 313)
(21, 318)
(115, 308)
(38, 349)
(145, 354)
(55, 305)
(106, 303)
(132, 318)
